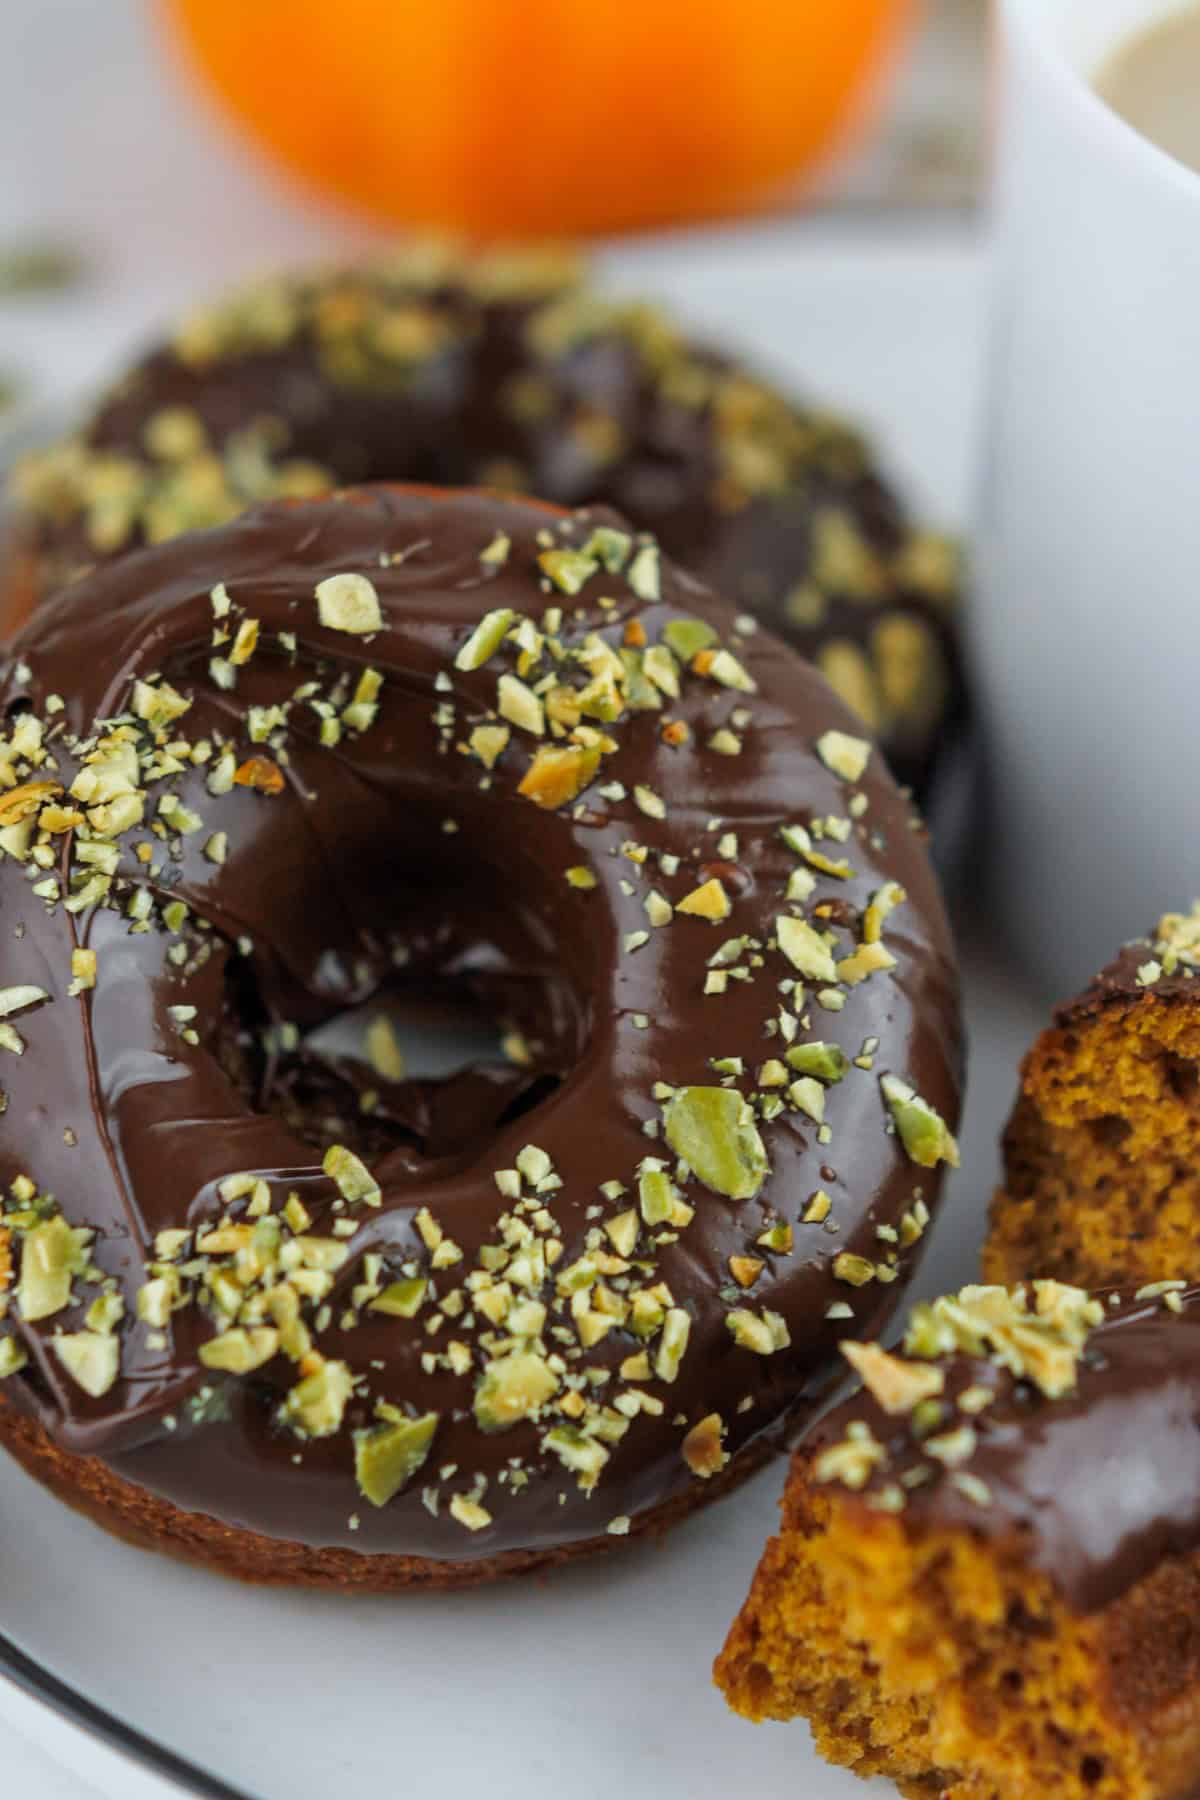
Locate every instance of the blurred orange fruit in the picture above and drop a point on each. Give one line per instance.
(543, 117)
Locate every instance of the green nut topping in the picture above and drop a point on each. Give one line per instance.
(349, 603)
(846, 756)
(656, 1196)
(16, 999)
(401, 1299)
(569, 570)
(687, 637)
(643, 574)
(610, 547)
(512, 1388)
(805, 948)
(93, 1362)
(240, 1350)
(388, 1455)
(825, 1061)
(12, 1357)
(51, 1255)
(712, 1129)
(673, 1343)
(351, 1175)
(922, 1131)
(763, 1334)
(316, 1405)
(577, 1452)
(486, 639)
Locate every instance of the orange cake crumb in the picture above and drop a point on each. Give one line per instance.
(1102, 1152)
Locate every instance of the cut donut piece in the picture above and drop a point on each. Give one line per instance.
(1102, 1152)
(987, 1581)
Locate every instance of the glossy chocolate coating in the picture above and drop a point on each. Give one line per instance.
(132, 1126)
(1135, 974)
(514, 375)
(1094, 1489)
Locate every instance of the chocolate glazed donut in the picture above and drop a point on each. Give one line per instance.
(511, 372)
(296, 1314)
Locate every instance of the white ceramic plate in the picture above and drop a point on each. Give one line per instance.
(595, 1681)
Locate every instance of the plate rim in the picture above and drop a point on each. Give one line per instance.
(38, 1683)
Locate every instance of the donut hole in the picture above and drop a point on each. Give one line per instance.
(433, 1061)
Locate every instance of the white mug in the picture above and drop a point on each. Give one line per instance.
(1086, 628)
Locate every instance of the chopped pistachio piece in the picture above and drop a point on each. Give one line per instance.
(897, 1385)
(241, 1349)
(486, 638)
(16, 999)
(316, 1406)
(513, 1387)
(708, 901)
(518, 703)
(868, 959)
(495, 554)
(569, 570)
(846, 756)
(687, 637)
(489, 742)
(805, 948)
(469, 1512)
(712, 1129)
(826, 1061)
(763, 1334)
(799, 842)
(921, 1129)
(533, 1163)
(577, 1452)
(701, 1448)
(726, 669)
(656, 1196)
(383, 1049)
(610, 547)
(353, 1179)
(51, 1255)
(808, 1096)
(884, 901)
(855, 1270)
(558, 775)
(349, 603)
(401, 1299)
(91, 1360)
(643, 575)
(673, 1343)
(852, 1462)
(388, 1455)
(746, 1269)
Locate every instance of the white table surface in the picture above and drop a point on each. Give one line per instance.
(888, 327)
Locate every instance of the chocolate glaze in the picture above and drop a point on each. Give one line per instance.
(1121, 983)
(447, 372)
(322, 884)
(1094, 1489)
